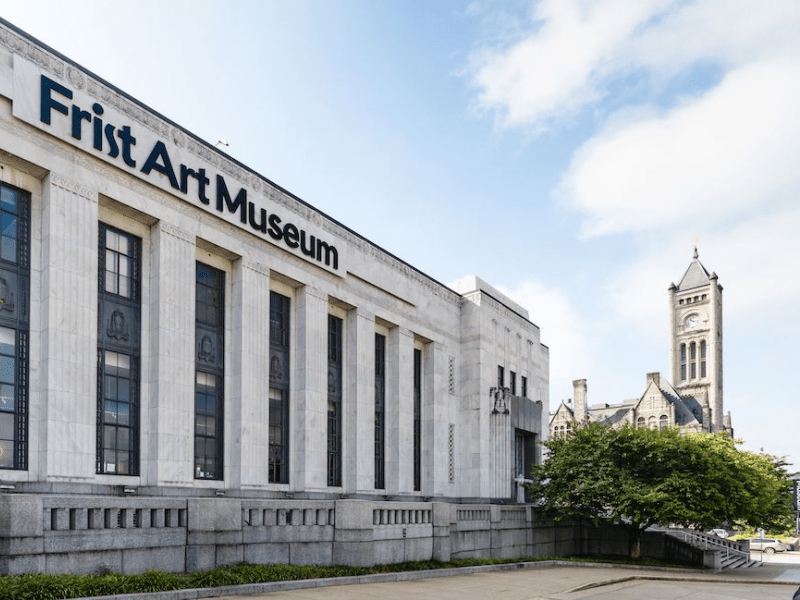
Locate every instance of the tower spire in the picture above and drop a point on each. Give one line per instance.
(696, 254)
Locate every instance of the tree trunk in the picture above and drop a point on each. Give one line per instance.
(635, 543)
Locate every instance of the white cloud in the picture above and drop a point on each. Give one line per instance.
(725, 32)
(573, 51)
(553, 72)
(707, 161)
(756, 261)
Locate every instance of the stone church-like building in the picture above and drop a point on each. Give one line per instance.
(693, 402)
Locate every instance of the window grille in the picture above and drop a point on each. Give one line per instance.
(417, 419)
(380, 411)
(209, 372)
(279, 321)
(118, 338)
(334, 401)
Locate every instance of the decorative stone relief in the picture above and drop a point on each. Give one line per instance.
(72, 186)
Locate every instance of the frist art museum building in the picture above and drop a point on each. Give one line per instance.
(198, 367)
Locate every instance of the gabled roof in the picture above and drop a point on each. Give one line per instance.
(684, 414)
(696, 275)
(563, 405)
(615, 417)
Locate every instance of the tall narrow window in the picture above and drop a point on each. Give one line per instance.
(14, 309)
(417, 419)
(278, 461)
(334, 401)
(512, 381)
(524, 385)
(693, 359)
(683, 362)
(118, 335)
(524, 456)
(380, 411)
(501, 377)
(703, 358)
(209, 372)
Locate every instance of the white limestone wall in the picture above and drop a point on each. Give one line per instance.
(359, 411)
(69, 329)
(168, 430)
(372, 288)
(248, 439)
(309, 413)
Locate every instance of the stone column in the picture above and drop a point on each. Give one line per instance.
(441, 512)
(399, 412)
(309, 400)
(168, 427)
(501, 453)
(69, 331)
(434, 420)
(358, 425)
(247, 428)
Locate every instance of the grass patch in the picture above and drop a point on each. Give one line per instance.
(40, 586)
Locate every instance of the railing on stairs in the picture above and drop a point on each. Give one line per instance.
(733, 554)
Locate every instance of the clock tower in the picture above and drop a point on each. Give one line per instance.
(696, 344)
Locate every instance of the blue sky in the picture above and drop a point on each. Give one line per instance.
(568, 152)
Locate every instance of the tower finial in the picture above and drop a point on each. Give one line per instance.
(696, 255)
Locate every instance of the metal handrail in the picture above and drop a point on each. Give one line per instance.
(709, 542)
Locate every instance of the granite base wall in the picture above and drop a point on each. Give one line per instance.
(94, 534)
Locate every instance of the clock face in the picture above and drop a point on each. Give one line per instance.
(692, 321)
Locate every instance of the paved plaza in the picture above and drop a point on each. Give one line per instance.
(777, 579)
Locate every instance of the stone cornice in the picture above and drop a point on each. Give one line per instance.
(73, 186)
(177, 232)
(254, 266)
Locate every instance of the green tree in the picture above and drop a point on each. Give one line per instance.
(636, 478)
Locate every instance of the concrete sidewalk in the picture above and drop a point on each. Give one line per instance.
(551, 580)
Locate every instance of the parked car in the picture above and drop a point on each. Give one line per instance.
(718, 532)
(767, 545)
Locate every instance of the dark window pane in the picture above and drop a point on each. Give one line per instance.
(110, 412)
(6, 426)
(9, 224)
(8, 199)
(7, 369)
(7, 341)
(7, 397)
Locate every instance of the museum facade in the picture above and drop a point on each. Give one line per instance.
(173, 324)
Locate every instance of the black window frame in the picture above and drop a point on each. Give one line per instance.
(380, 411)
(118, 341)
(335, 370)
(209, 419)
(417, 420)
(279, 373)
(15, 221)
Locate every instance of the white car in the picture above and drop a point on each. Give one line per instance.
(718, 532)
(768, 545)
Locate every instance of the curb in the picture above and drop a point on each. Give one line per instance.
(285, 586)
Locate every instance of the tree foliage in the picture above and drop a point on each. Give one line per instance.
(640, 477)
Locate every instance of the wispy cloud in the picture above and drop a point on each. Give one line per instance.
(725, 155)
(570, 53)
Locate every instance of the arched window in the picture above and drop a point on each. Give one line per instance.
(651, 423)
(683, 362)
(693, 359)
(703, 358)
(640, 422)
(663, 422)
